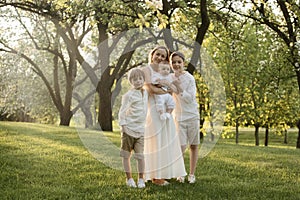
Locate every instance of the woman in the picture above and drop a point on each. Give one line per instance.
(163, 157)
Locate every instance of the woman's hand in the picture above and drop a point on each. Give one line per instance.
(171, 87)
(163, 82)
(152, 89)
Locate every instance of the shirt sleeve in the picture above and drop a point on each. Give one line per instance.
(189, 92)
(125, 105)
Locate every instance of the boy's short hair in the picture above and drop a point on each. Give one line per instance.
(177, 53)
(135, 72)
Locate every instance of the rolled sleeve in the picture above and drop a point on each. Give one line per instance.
(122, 112)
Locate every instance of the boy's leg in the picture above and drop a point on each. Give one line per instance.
(139, 156)
(125, 153)
(194, 141)
(127, 168)
(141, 167)
(193, 158)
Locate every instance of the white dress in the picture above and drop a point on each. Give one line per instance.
(163, 157)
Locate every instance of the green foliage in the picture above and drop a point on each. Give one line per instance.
(260, 85)
(20, 99)
(49, 162)
(256, 75)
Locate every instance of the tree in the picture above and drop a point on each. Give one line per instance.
(252, 61)
(20, 99)
(282, 17)
(111, 18)
(44, 37)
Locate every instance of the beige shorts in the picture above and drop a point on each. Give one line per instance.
(129, 143)
(188, 132)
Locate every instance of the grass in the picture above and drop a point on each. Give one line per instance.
(49, 162)
(246, 137)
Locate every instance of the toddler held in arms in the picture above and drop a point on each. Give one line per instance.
(164, 102)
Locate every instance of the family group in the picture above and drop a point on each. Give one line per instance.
(159, 119)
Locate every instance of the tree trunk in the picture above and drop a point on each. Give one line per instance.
(298, 140)
(267, 136)
(256, 133)
(285, 136)
(201, 126)
(201, 31)
(213, 129)
(88, 116)
(65, 118)
(236, 131)
(105, 109)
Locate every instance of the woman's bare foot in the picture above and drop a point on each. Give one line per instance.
(161, 182)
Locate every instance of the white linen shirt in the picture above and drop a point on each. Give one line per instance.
(133, 112)
(186, 103)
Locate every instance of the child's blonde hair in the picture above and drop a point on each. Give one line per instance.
(135, 72)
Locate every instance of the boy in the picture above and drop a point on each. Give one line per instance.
(132, 116)
(186, 112)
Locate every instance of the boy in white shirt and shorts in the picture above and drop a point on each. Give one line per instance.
(132, 117)
(186, 112)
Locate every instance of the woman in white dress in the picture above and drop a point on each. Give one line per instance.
(163, 156)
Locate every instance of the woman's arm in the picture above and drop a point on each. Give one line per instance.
(172, 87)
(152, 89)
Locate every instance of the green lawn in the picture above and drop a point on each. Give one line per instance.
(49, 162)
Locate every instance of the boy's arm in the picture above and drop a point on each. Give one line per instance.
(125, 104)
(189, 94)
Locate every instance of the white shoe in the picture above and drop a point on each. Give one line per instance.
(141, 183)
(192, 178)
(168, 115)
(130, 182)
(163, 117)
(180, 179)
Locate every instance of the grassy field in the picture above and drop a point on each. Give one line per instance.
(49, 162)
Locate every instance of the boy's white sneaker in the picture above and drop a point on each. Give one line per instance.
(141, 183)
(192, 178)
(130, 182)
